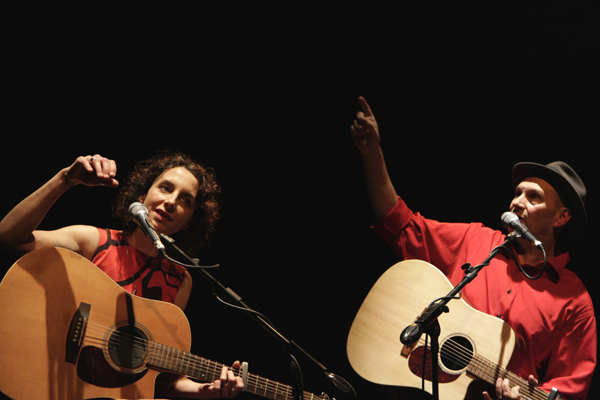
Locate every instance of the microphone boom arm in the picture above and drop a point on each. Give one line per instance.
(335, 380)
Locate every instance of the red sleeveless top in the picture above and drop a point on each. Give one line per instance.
(136, 272)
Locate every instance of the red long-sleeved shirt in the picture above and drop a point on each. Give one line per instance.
(553, 314)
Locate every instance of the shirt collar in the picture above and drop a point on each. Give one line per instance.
(554, 267)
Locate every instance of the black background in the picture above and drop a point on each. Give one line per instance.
(265, 93)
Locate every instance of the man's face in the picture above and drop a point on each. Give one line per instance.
(538, 206)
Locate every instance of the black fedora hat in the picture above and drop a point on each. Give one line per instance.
(564, 180)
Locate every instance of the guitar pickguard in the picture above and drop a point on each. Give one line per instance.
(417, 360)
(93, 368)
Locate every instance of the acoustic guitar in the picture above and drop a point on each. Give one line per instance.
(474, 346)
(69, 332)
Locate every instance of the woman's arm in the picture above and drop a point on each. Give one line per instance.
(18, 228)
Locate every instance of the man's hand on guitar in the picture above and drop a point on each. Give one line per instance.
(504, 391)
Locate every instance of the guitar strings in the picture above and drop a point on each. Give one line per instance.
(487, 369)
(178, 359)
(492, 371)
(169, 361)
(166, 357)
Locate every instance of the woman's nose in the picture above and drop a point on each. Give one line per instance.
(170, 201)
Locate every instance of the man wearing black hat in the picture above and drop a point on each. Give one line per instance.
(543, 301)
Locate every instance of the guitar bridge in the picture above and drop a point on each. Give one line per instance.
(76, 332)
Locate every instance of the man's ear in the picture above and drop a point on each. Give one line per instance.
(564, 216)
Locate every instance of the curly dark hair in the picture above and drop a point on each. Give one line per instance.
(207, 212)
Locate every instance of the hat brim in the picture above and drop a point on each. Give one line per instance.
(563, 187)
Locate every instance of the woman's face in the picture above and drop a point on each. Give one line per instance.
(171, 200)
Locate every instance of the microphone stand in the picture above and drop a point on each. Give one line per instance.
(291, 347)
(427, 322)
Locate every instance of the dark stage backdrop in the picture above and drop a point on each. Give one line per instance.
(265, 94)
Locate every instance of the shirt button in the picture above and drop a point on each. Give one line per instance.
(509, 291)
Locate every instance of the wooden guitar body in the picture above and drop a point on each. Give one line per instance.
(38, 302)
(69, 332)
(473, 344)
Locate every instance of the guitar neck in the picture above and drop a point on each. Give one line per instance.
(483, 369)
(170, 359)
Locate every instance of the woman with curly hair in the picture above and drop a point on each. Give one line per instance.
(181, 196)
(206, 211)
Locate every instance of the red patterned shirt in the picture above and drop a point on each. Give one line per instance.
(136, 272)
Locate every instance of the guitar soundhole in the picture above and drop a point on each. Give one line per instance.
(128, 346)
(456, 353)
(420, 364)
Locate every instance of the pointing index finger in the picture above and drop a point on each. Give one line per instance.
(365, 106)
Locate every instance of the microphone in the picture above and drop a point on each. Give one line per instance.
(140, 214)
(511, 220)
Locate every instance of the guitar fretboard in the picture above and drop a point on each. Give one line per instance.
(489, 371)
(183, 363)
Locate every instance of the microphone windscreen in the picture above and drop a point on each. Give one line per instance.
(507, 218)
(136, 208)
